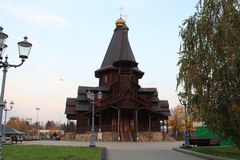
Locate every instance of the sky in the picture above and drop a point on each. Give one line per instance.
(70, 39)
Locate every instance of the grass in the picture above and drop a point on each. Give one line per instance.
(227, 152)
(37, 152)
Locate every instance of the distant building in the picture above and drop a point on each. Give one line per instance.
(127, 110)
(51, 131)
(10, 131)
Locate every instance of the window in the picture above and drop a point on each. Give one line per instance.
(105, 78)
(125, 71)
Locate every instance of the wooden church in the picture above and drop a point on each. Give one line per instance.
(127, 111)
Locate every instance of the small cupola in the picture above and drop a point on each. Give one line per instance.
(120, 22)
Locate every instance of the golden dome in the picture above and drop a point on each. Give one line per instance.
(120, 22)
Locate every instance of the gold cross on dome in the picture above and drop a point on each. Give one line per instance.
(121, 11)
(125, 16)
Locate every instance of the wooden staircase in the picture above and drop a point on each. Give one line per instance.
(126, 137)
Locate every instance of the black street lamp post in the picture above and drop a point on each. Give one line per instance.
(91, 97)
(183, 101)
(24, 48)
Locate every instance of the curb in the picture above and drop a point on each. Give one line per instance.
(201, 155)
(103, 154)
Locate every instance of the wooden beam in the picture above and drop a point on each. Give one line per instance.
(89, 120)
(163, 138)
(149, 123)
(136, 120)
(167, 126)
(100, 124)
(119, 114)
(114, 107)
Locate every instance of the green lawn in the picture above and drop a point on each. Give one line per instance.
(227, 152)
(37, 152)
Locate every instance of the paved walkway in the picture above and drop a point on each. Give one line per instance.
(149, 155)
(130, 151)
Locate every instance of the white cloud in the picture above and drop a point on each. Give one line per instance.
(33, 15)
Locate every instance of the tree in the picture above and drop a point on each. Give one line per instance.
(177, 121)
(17, 123)
(209, 61)
(21, 125)
(51, 125)
(63, 126)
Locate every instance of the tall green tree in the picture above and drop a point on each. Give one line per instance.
(51, 125)
(209, 65)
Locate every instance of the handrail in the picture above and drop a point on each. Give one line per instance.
(130, 136)
(121, 134)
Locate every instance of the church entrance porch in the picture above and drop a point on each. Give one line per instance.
(127, 130)
(127, 120)
(125, 124)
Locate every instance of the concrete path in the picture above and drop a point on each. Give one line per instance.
(129, 150)
(147, 151)
(113, 145)
(148, 155)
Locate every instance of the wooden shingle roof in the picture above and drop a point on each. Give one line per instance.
(118, 49)
(119, 52)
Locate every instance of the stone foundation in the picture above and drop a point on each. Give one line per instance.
(149, 136)
(106, 136)
(113, 136)
(110, 136)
